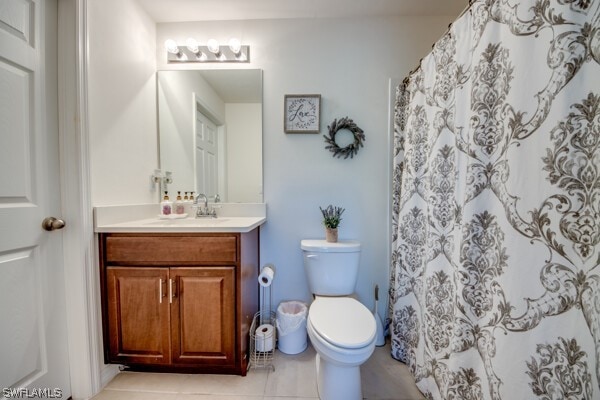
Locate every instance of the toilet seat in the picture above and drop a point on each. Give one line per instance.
(342, 322)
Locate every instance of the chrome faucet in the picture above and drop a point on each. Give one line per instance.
(204, 212)
(204, 197)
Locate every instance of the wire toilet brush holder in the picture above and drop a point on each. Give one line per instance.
(262, 331)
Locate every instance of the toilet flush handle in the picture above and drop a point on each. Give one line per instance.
(312, 256)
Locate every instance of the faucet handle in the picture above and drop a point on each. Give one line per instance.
(217, 198)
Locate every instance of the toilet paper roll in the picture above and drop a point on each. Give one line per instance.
(266, 276)
(265, 338)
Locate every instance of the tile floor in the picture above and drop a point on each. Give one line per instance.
(294, 378)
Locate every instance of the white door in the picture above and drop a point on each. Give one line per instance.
(206, 155)
(33, 334)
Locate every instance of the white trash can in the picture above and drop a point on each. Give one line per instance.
(291, 327)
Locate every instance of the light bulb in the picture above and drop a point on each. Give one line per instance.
(192, 45)
(235, 45)
(213, 46)
(171, 46)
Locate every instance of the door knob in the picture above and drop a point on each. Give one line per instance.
(51, 223)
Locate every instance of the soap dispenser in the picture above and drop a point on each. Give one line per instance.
(166, 206)
(179, 208)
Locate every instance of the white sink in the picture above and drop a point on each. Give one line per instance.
(187, 222)
(143, 218)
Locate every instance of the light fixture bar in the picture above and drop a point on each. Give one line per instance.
(225, 54)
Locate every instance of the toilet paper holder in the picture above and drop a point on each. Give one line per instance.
(263, 335)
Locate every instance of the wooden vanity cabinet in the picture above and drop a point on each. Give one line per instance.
(137, 324)
(179, 302)
(203, 316)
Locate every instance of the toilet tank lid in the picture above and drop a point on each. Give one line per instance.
(323, 246)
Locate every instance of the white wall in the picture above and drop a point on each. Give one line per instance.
(244, 155)
(122, 102)
(349, 62)
(121, 108)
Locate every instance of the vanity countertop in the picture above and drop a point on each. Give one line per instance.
(143, 218)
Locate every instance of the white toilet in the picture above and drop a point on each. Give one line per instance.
(340, 328)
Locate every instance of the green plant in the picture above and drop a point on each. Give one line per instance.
(332, 216)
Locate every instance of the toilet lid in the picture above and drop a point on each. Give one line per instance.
(323, 246)
(342, 321)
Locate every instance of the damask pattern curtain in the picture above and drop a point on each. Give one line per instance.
(495, 278)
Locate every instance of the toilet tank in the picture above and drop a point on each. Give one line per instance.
(331, 268)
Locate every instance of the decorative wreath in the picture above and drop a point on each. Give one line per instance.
(352, 148)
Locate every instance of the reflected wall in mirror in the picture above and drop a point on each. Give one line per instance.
(210, 132)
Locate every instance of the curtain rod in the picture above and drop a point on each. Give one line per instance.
(463, 12)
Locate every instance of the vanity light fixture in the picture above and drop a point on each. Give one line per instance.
(213, 47)
(192, 46)
(172, 48)
(235, 46)
(212, 52)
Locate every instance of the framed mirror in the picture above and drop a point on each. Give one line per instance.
(210, 132)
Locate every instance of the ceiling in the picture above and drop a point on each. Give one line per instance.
(222, 10)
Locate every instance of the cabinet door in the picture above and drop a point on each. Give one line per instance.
(138, 315)
(203, 315)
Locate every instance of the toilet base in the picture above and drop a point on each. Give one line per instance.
(338, 383)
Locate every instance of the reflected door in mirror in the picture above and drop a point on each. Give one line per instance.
(206, 155)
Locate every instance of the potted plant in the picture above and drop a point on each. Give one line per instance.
(332, 216)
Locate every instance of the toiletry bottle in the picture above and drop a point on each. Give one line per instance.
(179, 209)
(186, 198)
(166, 207)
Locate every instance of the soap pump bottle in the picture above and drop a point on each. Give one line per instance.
(179, 209)
(166, 206)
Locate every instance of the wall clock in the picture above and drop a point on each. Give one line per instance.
(302, 113)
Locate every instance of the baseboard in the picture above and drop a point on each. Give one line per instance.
(107, 373)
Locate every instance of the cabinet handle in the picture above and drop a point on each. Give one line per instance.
(172, 292)
(175, 287)
(160, 296)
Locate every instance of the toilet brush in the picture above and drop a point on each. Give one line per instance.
(379, 338)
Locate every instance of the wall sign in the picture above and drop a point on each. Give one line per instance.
(302, 113)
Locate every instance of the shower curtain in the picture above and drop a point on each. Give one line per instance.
(495, 276)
